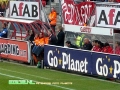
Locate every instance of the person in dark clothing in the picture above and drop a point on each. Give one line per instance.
(68, 44)
(4, 32)
(31, 39)
(60, 36)
(87, 44)
(52, 38)
(30, 36)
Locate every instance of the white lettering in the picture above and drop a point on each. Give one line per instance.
(99, 72)
(50, 60)
(116, 68)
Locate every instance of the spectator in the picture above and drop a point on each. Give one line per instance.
(52, 38)
(101, 46)
(87, 44)
(32, 35)
(107, 48)
(40, 48)
(94, 43)
(4, 32)
(79, 40)
(28, 34)
(53, 18)
(68, 44)
(97, 46)
(117, 48)
(60, 36)
(37, 42)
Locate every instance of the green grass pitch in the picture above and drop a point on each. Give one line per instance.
(57, 80)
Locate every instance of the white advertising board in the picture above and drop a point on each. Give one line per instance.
(24, 10)
(108, 17)
(89, 30)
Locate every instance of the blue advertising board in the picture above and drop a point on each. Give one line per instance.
(53, 56)
(78, 60)
(106, 65)
(82, 61)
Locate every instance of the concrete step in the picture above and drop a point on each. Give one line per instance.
(55, 5)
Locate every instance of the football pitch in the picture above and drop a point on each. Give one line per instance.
(47, 79)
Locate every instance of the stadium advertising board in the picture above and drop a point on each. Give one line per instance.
(90, 30)
(24, 10)
(108, 17)
(67, 59)
(15, 50)
(82, 61)
(106, 65)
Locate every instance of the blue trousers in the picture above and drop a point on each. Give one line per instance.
(34, 49)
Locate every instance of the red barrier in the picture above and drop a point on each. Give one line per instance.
(15, 50)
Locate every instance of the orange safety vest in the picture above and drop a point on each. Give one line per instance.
(36, 40)
(46, 40)
(53, 18)
(41, 41)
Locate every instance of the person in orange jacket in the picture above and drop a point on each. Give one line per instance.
(42, 42)
(36, 39)
(53, 18)
(36, 42)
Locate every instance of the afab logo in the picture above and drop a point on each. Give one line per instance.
(27, 10)
(108, 17)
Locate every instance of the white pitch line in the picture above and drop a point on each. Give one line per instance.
(35, 81)
(66, 73)
(26, 74)
(84, 76)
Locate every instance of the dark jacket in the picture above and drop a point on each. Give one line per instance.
(52, 40)
(30, 38)
(73, 46)
(87, 46)
(60, 38)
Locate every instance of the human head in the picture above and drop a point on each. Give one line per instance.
(60, 28)
(40, 35)
(94, 42)
(32, 32)
(117, 44)
(4, 25)
(52, 9)
(106, 44)
(68, 43)
(28, 32)
(98, 43)
(102, 45)
(36, 35)
(86, 40)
